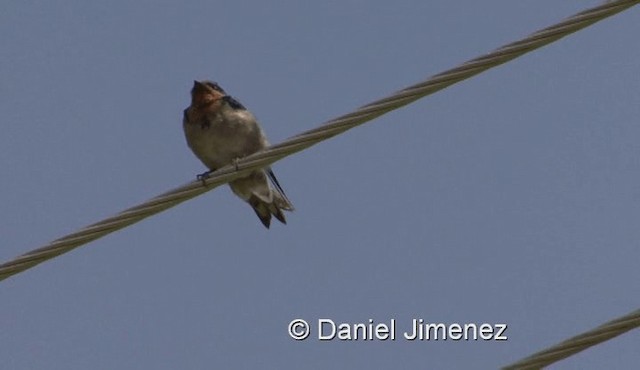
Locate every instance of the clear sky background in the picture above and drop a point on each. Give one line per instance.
(513, 197)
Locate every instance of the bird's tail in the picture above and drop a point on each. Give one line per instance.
(265, 210)
(279, 203)
(274, 205)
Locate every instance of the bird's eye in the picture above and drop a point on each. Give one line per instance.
(215, 86)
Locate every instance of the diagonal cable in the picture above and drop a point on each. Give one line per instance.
(314, 136)
(578, 343)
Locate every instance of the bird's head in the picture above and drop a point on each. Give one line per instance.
(205, 94)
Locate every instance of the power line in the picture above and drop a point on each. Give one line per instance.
(578, 343)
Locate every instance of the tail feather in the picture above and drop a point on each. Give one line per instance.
(284, 200)
(262, 210)
(266, 200)
(279, 215)
(265, 210)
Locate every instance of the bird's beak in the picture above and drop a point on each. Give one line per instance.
(199, 88)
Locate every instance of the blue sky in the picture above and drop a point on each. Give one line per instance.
(510, 198)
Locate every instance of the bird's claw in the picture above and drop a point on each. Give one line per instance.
(203, 177)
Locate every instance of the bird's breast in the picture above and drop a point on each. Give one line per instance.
(218, 140)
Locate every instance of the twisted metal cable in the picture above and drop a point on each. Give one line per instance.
(314, 136)
(578, 343)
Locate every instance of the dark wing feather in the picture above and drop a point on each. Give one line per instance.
(233, 103)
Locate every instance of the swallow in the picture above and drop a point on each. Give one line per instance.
(220, 130)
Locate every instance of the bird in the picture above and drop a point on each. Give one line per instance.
(220, 130)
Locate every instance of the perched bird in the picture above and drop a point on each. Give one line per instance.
(219, 131)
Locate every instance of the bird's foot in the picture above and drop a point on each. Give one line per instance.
(235, 163)
(203, 177)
